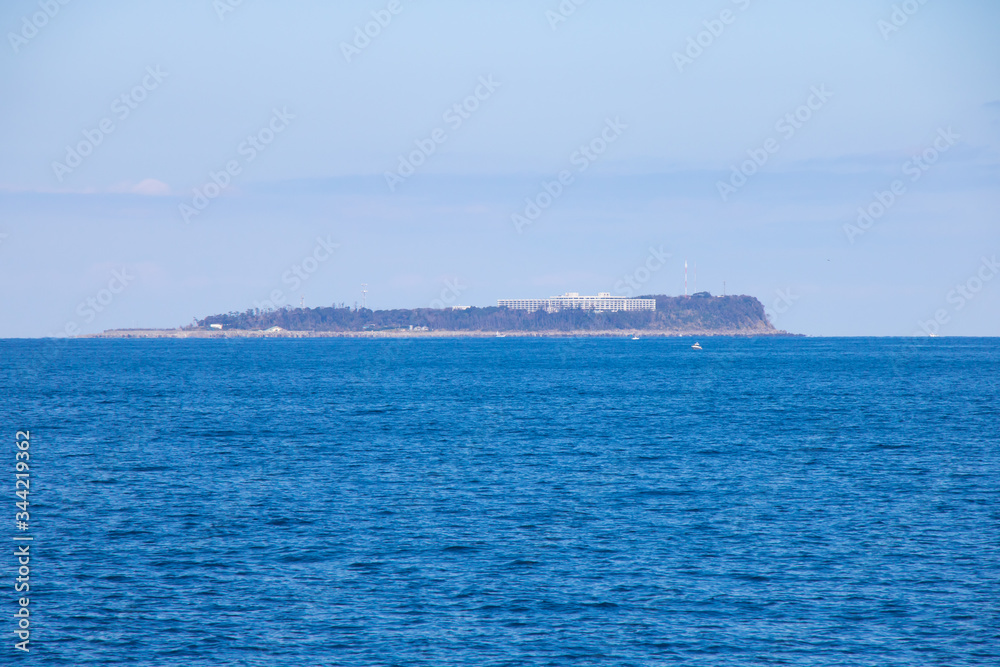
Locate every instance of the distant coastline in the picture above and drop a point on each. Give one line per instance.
(439, 333)
(696, 315)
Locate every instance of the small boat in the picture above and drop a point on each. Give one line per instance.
(635, 337)
(696, 346)
(500, 335)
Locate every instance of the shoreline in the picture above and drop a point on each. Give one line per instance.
(583, 333)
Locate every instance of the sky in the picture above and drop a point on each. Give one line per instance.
(168, 160)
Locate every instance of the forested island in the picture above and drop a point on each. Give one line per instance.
(700, 313)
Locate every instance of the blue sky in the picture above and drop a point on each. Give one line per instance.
(309, 118)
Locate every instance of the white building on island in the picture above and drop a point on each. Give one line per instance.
(571, 300)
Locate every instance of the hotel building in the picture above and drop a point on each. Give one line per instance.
(570, 300)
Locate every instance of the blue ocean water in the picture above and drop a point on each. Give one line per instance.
(509, 501)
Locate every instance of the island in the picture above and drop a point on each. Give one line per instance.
(700, 314)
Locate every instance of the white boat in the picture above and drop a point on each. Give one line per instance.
(635, 337)
(696, 346)
(500, 335)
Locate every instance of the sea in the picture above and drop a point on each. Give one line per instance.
(505, 501)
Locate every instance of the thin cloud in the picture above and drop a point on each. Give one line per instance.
(149, 187)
